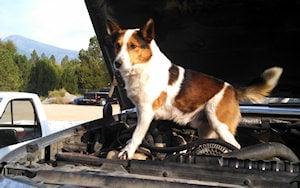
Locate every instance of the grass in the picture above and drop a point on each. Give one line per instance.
(57, 93)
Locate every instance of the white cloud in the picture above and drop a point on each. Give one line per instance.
(62, 23)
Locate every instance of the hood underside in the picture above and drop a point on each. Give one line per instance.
(231, 40)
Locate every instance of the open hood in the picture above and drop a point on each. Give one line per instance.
(231, 40)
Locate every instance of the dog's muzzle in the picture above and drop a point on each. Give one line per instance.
(117, 64)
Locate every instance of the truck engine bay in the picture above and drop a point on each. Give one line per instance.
(175, 154)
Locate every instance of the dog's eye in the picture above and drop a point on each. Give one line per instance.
(132, 46)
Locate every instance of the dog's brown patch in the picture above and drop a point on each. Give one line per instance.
(196, 90)
(138, 49)
(117, 39)
(159, 101)
(228, 110)
(173, 74)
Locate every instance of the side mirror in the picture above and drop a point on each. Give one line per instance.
(8, 137)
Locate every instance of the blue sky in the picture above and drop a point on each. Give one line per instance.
(62, 23)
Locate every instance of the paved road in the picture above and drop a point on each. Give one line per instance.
(65, 112)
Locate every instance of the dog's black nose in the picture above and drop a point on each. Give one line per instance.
(118, 64)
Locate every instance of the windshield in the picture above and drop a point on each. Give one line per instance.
(89, 95)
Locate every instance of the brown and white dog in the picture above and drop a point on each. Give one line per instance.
(162, 90)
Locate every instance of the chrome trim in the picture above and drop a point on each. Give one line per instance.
(252, 109)
(270, 110)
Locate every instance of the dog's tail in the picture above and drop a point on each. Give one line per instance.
(261, 87)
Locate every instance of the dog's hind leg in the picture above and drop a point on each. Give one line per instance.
(145, 116)
(223, 115)
(223, 131)
(203, 127)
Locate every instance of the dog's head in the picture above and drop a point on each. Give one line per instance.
(132, 46)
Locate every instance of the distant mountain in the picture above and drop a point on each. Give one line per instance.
(25, 46)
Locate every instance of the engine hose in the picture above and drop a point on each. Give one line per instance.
(176, 148)
(187, 146)
(264, 151)
(259, 151)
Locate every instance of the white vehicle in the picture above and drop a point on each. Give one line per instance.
(23, 119)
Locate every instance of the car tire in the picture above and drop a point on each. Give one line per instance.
(103, 102)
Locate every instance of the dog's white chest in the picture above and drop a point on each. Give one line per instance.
(146, 85)
(135, 87)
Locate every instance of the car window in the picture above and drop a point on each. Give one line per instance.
(18, 123)
(19, 113)
(23, 113)
(6, 116)
(89, 95)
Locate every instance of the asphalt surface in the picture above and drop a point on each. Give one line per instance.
(65, 112)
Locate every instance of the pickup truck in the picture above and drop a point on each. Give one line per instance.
(98, 97)
(23, 119)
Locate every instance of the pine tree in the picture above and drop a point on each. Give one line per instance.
(34, 57)
(43, 56)
(92, 73)
(64, 60)
(45, 77)
(69, 78)
(25, 70)
(9, 71)
(52, 59)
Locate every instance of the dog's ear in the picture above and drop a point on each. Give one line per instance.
(148, 31)
(112, 27)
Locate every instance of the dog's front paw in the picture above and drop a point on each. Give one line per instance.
(238, 146)
(127, 153)
(123, 155)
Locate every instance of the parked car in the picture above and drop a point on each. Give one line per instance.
(232, 40)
